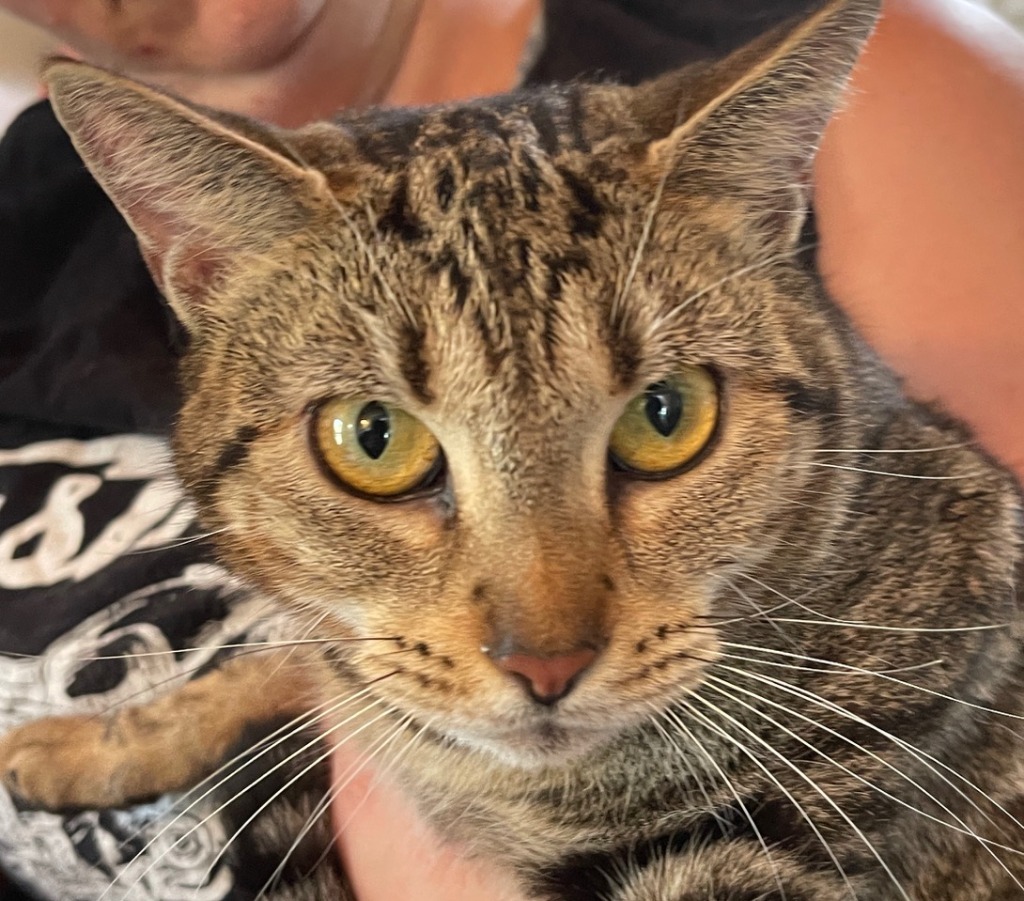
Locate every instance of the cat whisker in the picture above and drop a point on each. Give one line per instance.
(962, 828)
(801, 605)
(717, 620)
(921, 756)
(896, 475)
(389, 710)
(876, 627)
(295, 647)
(826, 619)
(324, 804)
(916, 667)
(750, 755)
(281, 734)
(243, 759)
(180, 676)
(665, 320)
(860, 670)
(175, 543)
(823, 701)
(641, 245)
(245, 649)
(696, 743)
(771, 620)
(271, 645)
(825, 796)
(893, 450)
(390, 763)
(779, 594)
(304, 720)
(415, 739)
(683, 759)
(725, 655)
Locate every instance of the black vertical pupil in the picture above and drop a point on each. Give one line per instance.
(664, 407)
(373, 429)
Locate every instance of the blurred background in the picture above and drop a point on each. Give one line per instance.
(22, 46)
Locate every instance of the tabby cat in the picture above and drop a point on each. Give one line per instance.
(534, 413)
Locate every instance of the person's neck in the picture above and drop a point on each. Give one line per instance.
(463, 48)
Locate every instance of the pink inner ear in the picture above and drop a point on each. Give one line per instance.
(196, 274)
(123, 149)
(184, 269)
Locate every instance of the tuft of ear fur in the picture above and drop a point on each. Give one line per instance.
(202, 191)
(750, 124)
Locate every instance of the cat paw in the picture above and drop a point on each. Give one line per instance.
(62, 763)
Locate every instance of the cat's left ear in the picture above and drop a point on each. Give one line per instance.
(205, 193)
(751, 123)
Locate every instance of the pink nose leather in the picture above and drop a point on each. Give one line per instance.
(548, 679)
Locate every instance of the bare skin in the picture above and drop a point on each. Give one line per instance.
(919, 193)
(920, 196)
(294, 61)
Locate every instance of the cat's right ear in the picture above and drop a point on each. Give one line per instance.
(202, 195)
(745, 129)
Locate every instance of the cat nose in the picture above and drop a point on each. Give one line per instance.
(547, 679)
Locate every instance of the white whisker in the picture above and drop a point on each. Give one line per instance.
(682, 759)
(324, 804)
(696, 743)
(641, 244)
(875, 627)
(750, 755)
(825, 619)
(320, 758)
(665, 320)
(244, 758)
(856, 669)
(962, 828)
(895, 475)
(921, 756)
(891, 450)
(825, 796)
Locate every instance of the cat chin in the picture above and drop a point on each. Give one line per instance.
(540, 747)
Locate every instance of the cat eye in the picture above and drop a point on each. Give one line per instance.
(666, 427)
(374, 448)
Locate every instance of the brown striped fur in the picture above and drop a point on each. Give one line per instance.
(834, 580)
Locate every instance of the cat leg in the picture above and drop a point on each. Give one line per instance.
(727, 869)
(139, 752)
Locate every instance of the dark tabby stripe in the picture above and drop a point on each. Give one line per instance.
(587, 876)
(413, 363)
(232, 454)
(399, 219)
(808, 400)
(235, 452)
(586, 216)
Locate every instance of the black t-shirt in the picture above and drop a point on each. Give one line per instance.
(97, 550)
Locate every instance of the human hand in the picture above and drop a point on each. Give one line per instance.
(390, 852)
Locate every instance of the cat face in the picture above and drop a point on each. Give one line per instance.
(530, 537)
(505, 397)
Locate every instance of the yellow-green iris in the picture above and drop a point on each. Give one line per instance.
(375, 448)
(668, 425)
